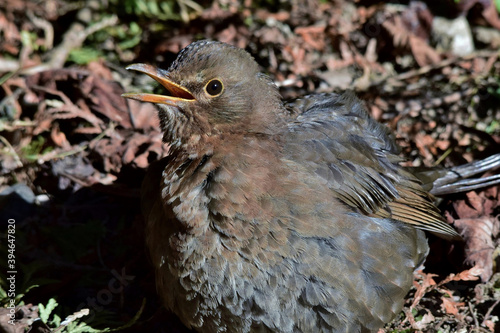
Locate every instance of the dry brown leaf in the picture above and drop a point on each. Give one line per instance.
(479, 228)
(417, 19)
(105, 98)
(297, 57)
(490, 14)
(228, 35)
(125, 147)
(467, 275)
(144, 115)
(397, 30)
(426, 283)
(173, 44)
(346, 53)
(110, 151)
(423, 143)
(87, 130)
(493, 192)
(490, 324)
(58, 137)
(263, 15)
(409, 317)
(442, 144)
(478, 234)
(476, 205)
(82, 93)
(314, 36)
(450, 306)
(423, 323)
(133, 146)
(423, 53)
(71, 111)
(10, 35)
(99, 69)
(25, 314)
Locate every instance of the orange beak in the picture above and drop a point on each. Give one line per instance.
(179, 93)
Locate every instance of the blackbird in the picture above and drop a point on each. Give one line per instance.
(277, 217)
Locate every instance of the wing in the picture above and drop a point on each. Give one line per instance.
(357, 158)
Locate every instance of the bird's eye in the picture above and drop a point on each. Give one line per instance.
(214, 87)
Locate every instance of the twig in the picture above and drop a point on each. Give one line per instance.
(48, 29)
(490, 310)
(184, 11)
(79, 149)
(10, 99)
(426, 69)
(19, 164)
(72, 39)
(7, 65)
(73, 317)
(443, 156)
(473, 313)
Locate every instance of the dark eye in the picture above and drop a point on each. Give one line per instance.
(214, 87)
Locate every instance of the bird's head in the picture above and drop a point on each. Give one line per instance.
(213, 88)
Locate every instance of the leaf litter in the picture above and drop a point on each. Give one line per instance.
(66, 132)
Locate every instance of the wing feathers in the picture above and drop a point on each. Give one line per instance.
(356, 157)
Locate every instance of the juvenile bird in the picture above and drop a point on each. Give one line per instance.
(275, 217)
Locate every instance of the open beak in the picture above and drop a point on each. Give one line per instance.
(179, 93)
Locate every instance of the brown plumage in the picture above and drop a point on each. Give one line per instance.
(275, 217)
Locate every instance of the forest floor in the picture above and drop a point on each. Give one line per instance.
(73, 152)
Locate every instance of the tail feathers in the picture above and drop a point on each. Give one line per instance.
(441, 181)
(455, 179)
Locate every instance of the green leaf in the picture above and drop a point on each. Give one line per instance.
(45, 311)
(57, 320)
(84, 55)
(492, 127)
(29, 39)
